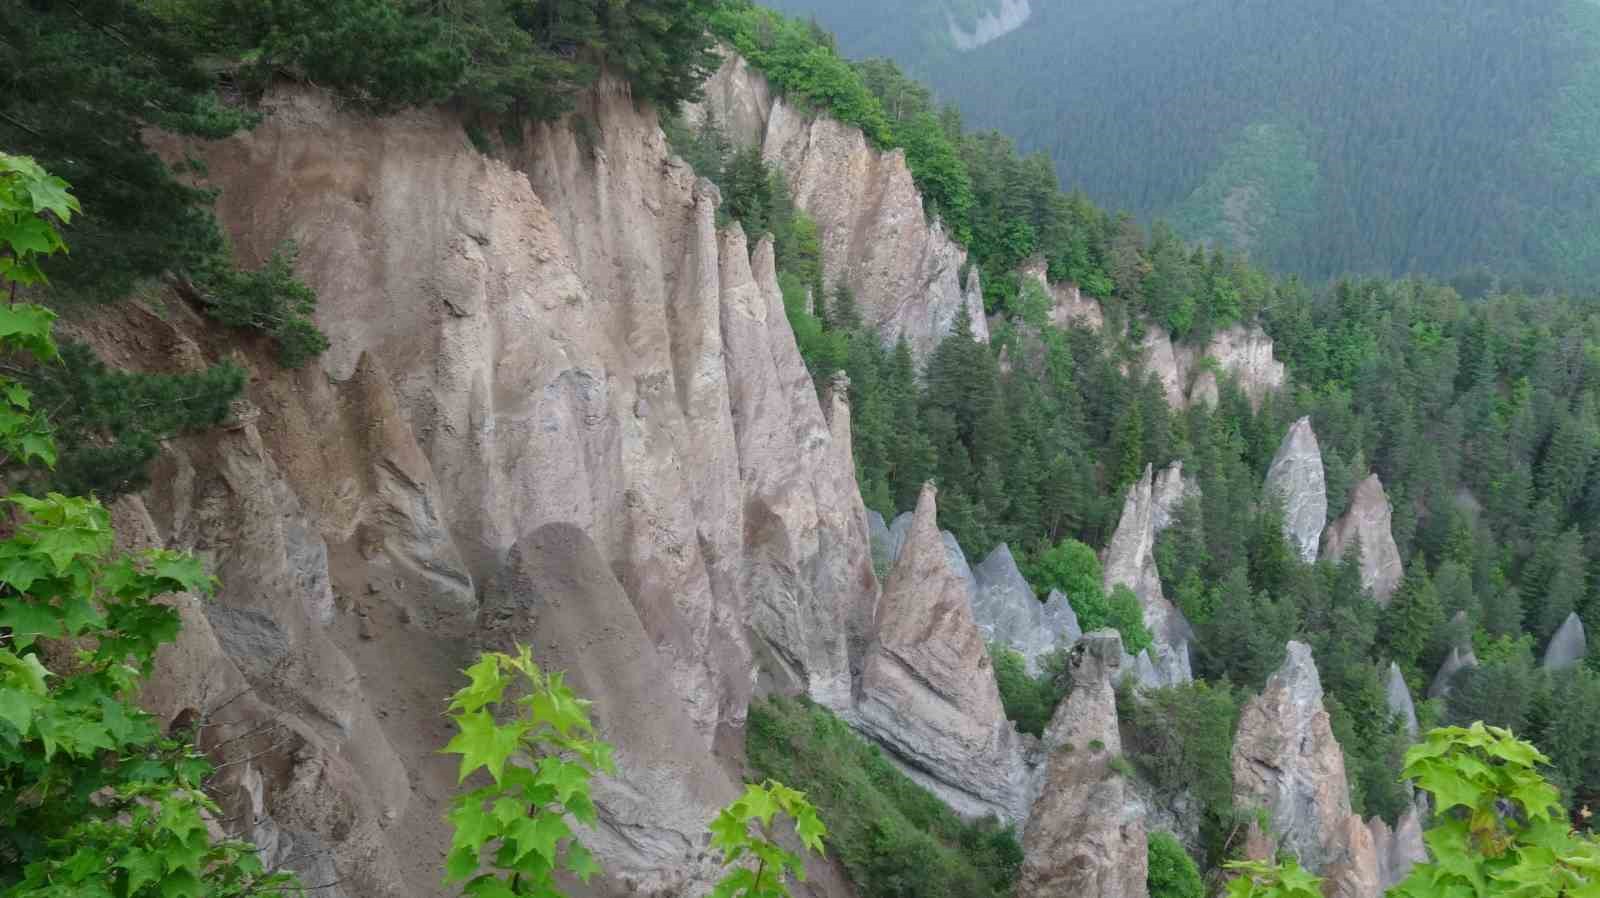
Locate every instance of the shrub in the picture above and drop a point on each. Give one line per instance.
(1171, 872)
(1029, 701)
(892, 836)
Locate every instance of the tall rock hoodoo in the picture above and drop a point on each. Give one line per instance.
(875, 236)
(1007, 612)
(1398, 697)
(1298, 480)
(1286, 761)
(928, 691)
(1131, 562)
(1367, 520)
(1079, 840)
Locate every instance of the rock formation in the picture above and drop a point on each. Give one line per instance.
(1297, 478)
(1007, 611)
(1080, 840)
(874, 233)
(1458, 660)
(1286, 761)
(1398, 849)
(928, 692)
(1246, 353)
(558, 349)
(1130, 561)
(1568, 646)
(883, 547)
(1169, 491)
(1398, 696)
(1367, 521)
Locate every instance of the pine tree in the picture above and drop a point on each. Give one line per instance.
(1413, 617)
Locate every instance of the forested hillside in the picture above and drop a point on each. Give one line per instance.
(1443, 137)
(1481, 417)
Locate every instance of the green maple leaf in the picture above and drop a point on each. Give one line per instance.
(729, 832)
(17, 707)
(24, 671)
(564, 777)
(488, 886)
(508, 810)
(557, 708)
(28, 327)
(472, 828)
(758, 804)
(810, 829)
(488, 684)
(483, 744)
(143, 866)
(1449, 788)
(460, 864)
(538, 835)
(580, 861)
(29, 620)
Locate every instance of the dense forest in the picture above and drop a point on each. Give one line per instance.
(1447, 138)
(1481, 416)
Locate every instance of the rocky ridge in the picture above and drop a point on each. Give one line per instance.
(905, 270)
(1007, 612)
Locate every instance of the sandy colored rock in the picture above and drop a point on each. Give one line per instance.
(905, 270)
(1298, 480)
(1286, 761)
(559, 339)
(928, 693)
(1247, 354)
(1085, 837)
(1367, 520)
(1398, 849)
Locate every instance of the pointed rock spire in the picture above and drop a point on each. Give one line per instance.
(1078, 840)
(1398, 695)
(1286, 761)
(1458, 660)
(1130, 561)
(1368, 520)
(928, 692)
(1568, 646)
(1297, 477)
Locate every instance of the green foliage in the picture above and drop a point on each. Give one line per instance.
(1171, 873)
(31, 202)
(1257, 879)
(1072, 567)
(93, 798)
(894, 839)
(731, 835)
(1030, 701)
(540, 762)
(1181, 737)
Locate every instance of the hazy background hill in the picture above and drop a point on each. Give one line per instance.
(1438, 136)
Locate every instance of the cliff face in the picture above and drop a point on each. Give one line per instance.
(1367, 523)
(560, 408)
(875, 237)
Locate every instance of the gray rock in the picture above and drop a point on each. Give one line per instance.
(1086, 835)
(1286, 761)
(1059, 618)
(1367, 521)
(883, 548)
(898, 528)
(1007, 612)
(1297, 477)
(1169, 491)
(928, 693)
(1568, 647)
(1398, 696)
(1458, 660)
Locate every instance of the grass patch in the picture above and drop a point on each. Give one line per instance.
(894, 838)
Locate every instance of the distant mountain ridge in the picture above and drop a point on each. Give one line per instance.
(1439, 137)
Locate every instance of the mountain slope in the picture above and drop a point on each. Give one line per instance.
(1433, 137)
